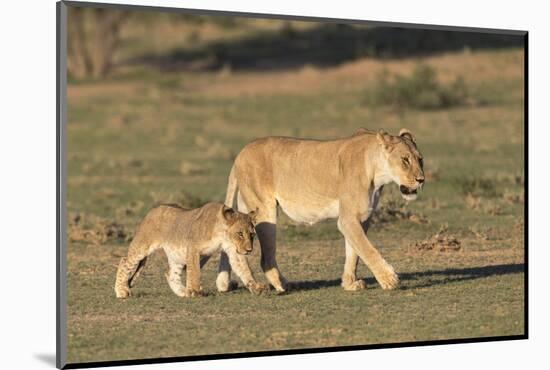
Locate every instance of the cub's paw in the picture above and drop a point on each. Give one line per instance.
(355, 286)
(257, 288)
(122, 292)
(192, 293)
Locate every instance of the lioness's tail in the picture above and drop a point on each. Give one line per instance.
(231, 188)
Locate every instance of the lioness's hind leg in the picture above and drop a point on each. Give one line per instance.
(267, 236)
(266, 229)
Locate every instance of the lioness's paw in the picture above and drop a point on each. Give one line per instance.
(386, 276)
(355, 286)
(257, 288)
(388, 280)
(122, 292)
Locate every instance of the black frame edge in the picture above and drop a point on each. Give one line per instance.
(526, 177)
(291, 17)
(61, 105)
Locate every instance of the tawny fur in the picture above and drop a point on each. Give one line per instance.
(189, 237)
(312, 180)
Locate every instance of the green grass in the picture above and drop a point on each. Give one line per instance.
(135, 143)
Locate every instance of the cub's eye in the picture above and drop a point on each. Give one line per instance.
(406, 161)
(421, 162)
(240, 234)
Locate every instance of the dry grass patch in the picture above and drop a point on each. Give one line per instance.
(96, 230)
(442, 241)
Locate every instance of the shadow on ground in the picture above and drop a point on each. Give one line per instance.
(47, 358)
(415, 280)
(321, 46)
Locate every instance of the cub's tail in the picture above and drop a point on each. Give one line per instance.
(231, 188)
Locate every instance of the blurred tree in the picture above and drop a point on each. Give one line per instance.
(93, 36)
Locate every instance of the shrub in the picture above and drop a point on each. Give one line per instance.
(420, 90)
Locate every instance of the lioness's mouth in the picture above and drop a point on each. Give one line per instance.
(407, 191)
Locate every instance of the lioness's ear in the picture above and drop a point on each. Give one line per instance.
(384, 139)
(406, 133)
(228, 213)
(253, 215)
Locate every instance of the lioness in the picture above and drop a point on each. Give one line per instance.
(189, 238)
(312, 180)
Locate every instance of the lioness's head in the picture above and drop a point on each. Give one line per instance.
(239, 230)
(404, 161)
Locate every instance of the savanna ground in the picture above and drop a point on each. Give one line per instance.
(144, 136)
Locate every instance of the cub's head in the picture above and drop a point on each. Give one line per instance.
(239, 231)
(404, 162)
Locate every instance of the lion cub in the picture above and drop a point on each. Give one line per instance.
(189, 237)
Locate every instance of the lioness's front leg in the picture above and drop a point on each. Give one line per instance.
(350, 226)
(349, 280)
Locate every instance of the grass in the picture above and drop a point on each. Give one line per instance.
(420, 90)
(171, 137)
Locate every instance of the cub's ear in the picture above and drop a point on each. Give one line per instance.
(253, 215)
(384, 140)
(228, 213)
(406, 133)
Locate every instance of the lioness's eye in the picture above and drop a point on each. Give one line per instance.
(240, 234)
(406, 161)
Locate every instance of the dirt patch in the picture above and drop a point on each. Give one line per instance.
(129, 210)
(442, 241)
(395, 211)
(95, 230)
(513, 197)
